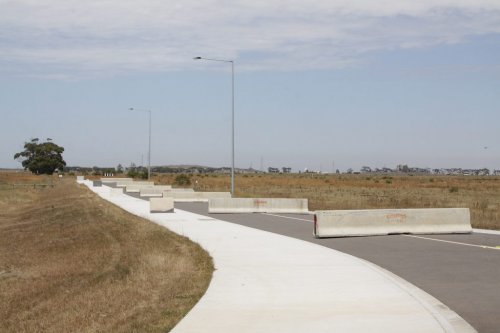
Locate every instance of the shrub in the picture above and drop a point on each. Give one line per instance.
(182, 180)
(453, 189)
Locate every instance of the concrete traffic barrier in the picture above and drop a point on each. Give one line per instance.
(135, 188)
(179, 190)
(126, 183)
(161, 205)
(80, 178)
(258, 205)
(154, 191)
(114, 180)
(191, 196)
(115, 191)
(342, 223)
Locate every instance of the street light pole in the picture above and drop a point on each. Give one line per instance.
(232, 115)
(149, 145)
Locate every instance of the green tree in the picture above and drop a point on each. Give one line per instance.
(41, 157)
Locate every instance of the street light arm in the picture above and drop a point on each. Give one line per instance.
(211, 59)
(143, 110)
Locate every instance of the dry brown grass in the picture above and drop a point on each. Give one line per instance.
(480, 194)
(71, 262)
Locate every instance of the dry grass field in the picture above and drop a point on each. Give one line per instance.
(480, 194)
(71, 262)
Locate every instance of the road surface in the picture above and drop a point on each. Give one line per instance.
(462, 271)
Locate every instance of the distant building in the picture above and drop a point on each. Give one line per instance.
(365, 169)
(403, 168)
(286, 170)
(273, 170)
(384, 170)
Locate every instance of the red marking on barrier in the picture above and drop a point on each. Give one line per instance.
(396, 218)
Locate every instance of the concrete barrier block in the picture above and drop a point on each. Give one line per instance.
(179, 190)
(114, 180)
(80, 178)
(258, 205)
(114, 192)
(133, 188)
(154, 191)
(122, 183)
(161, 205)
(180, 196)
(129, 183)
(342, 223)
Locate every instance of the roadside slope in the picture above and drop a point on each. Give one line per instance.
(71, 262)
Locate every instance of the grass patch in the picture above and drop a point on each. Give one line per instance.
(70, 261)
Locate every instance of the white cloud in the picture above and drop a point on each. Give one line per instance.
(61, 38)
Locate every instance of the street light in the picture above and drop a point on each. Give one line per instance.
(149, 147)
(232, 114)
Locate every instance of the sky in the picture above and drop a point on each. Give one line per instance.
(321, 85)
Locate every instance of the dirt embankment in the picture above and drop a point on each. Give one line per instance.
(71, 262)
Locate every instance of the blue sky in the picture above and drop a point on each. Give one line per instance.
(317, 82)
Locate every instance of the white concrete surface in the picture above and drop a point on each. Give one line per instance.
(161, 205)
(258, 205)
(80, 178)
(371, 222)
(182, 196)
(266, 282)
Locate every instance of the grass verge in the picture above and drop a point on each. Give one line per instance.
(71, 262)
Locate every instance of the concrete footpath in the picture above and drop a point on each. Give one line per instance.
(266, 282)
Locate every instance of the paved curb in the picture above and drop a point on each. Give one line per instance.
(486, 231)
(271, 283)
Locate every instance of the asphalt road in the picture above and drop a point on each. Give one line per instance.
(462, 271)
